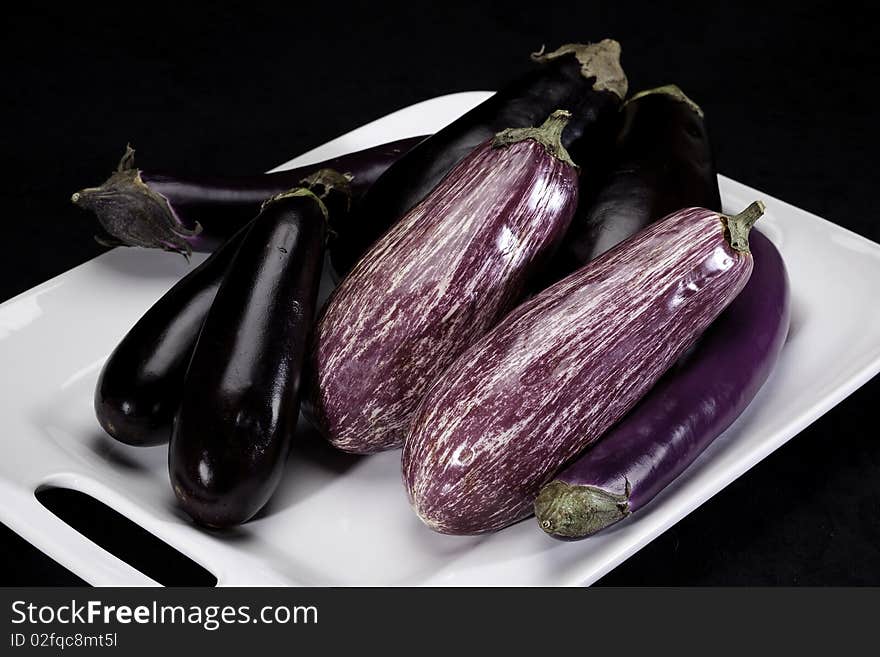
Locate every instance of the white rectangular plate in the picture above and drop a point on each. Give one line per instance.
(341, 520)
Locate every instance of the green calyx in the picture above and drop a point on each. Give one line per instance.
(327, 180)
(292, 193)
(317, 186)
(571, 511)
(737, 227)
(548, 134)
(132, 214)
(598, 60)
(668, 90)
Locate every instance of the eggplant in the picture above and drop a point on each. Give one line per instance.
(585, 79)
(240, 400)
(182, 213)
(662, 163)
(563, 367)
(681, 416)
(438, 280)
(141, 384)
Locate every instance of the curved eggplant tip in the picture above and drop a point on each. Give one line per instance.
(207, 504)
(130, 427)
(598, 60)
(132, 214)
(569, 511)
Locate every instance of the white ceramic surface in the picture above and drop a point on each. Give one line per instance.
(341, 520)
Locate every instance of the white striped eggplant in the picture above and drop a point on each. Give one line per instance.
(436, 282)
(681, 416)
(585, 79)
(562, 368)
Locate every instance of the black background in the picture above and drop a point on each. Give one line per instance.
(243, 87)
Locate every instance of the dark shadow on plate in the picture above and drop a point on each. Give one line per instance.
(796, 321)
(449, 548)
(310, 445)
(239, 533)
(114, 453)
(308, 448)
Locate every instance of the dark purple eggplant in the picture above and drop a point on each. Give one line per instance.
(662, 163)
(681, 416)
(561, 369)
(141, 384)
(140, 387)
(438, 280)
(586, 80)
(240, 399)
(185, 213)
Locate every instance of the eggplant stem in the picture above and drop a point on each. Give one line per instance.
(132, 214)
(598, 60)
(548, 134)
(738, 226)
(669, 90)
(126, 162)
(572, 511)
(317, 186)
(328, 180)
(297, 191)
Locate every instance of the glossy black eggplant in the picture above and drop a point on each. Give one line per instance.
(240, 400)
(586, 80)
(663, 162)
(141, 384)
(183, 213)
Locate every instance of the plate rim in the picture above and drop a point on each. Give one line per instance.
(588, 574)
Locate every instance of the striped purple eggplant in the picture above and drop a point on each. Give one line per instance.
(436, 282)
(687, 409)
(584, 78)
(562, 368)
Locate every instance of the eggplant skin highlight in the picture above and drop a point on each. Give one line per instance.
(662, 163)
(141, 384)
(438, 280)
(689, 407)
(587, 80)
(240, 402)
(561, 369)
